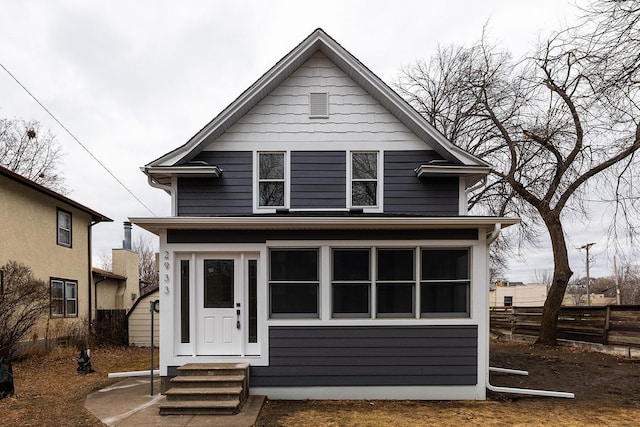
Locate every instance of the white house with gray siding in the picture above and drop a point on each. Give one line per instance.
(320, 234)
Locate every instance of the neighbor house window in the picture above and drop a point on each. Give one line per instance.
(64, 228)
(508, 301)
(444, 282)
(64, 298)
(395, 284)
(351, 282)
(293, 283)
(364, 179)
(271, 180)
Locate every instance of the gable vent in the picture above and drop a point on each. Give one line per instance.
(319, 105)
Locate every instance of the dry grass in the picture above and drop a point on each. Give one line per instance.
(607, 394)
(49, 392)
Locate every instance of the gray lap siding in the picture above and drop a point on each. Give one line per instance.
(318, 181)
(405, 193)
(230, 194)
(369, 356)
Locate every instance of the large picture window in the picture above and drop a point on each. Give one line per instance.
(271, 180)
(351, 282)
(64, 228)
(293, 283)
(364, 179)
(64, 298)
(444, 282)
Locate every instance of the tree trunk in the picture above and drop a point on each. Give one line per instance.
(561, 275)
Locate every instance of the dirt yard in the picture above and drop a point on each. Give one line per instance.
(49, 392)
(607, 393)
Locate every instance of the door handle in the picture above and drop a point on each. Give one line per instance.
(238, 319)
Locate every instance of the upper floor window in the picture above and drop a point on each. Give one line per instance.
(271, 180)
(364, 179)
(64, 228)
(64, 298)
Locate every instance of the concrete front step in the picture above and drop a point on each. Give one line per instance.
(203, 369)
(200, 407)
(204, 381)
(208, 394)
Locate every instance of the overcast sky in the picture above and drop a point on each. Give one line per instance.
(135, 79)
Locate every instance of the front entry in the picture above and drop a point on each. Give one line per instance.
(219, 290)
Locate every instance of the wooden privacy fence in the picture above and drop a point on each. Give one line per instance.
(111, 326)
(611, 325)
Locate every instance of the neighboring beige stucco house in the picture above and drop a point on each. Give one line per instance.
(535, 294)
(119, 288)
(51, 234)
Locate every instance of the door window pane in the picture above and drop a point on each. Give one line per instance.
(218, 283)
(252, 270)
(184, 301)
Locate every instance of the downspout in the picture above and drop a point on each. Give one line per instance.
(491, 237)
(90, 262)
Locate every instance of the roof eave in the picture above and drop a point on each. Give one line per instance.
(157, 225)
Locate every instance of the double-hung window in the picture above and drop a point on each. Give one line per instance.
(271, 180)
(445, 282)
(395, 284)
(64, 228)
(351, 282)
(364, 179)
(64, 298)
(293, 283)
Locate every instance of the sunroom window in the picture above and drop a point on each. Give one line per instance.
(364, 179)
(351, 283)
(395, 285)
(293, 283)
(271, 179)
(445, 282)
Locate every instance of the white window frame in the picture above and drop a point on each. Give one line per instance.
(379, 207)
(256, 181)
(59, 227)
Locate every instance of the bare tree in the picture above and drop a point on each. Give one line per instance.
(23, 300)
(147, 264)
(552, 125)
(31, 152)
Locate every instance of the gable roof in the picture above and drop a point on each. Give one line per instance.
(372, 84)
(95, 216)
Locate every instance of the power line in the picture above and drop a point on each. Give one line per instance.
(78, 141)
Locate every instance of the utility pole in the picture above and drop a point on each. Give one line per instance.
(587, 247)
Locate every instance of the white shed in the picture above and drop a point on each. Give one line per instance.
(139, 317)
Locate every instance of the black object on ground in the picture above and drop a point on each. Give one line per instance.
(84, 363)
(6, 380)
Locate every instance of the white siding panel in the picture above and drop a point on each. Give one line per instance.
(140, 323)
(283, 115)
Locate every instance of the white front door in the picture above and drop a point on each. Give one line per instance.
(219, 285)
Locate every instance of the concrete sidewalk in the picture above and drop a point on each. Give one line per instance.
(129, 403)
